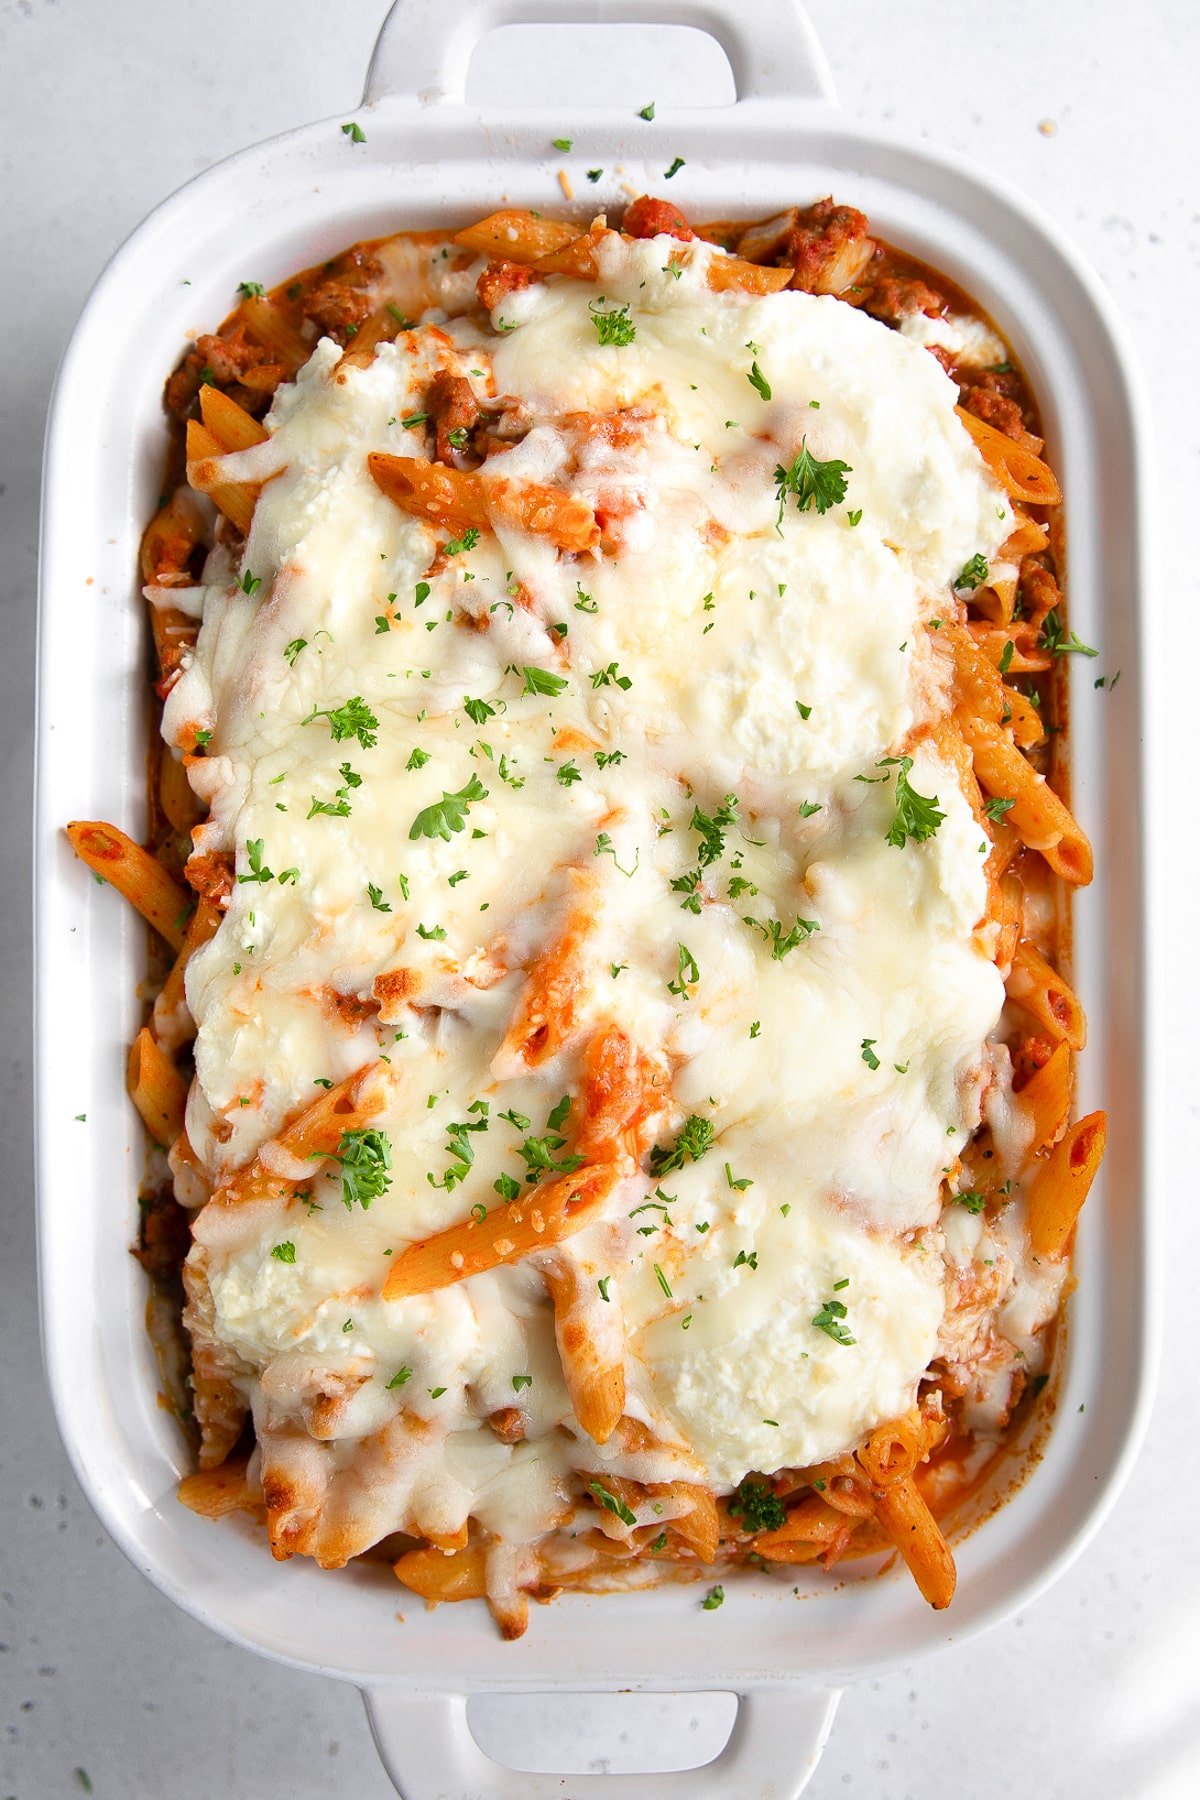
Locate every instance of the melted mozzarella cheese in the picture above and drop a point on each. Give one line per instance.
(822, 995)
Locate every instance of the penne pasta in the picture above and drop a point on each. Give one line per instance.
(438, 1575)
(1046, 1097)
(458, 500)
(588, 1332)
(1042, 991)
(156, 1088)
(1019, 472)
(270, 326)
(135, 874)
(1061, 1184)
(230, 424)
(312, 1135)
(507, 1233)
(1042, 820)
(173, 1025)
(236, 499)
(516, 236)
(912, 1528)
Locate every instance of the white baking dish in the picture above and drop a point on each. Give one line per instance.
(430, 158)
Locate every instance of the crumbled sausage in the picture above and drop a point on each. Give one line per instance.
(164, 1234)
(996, 410)
(828, 247)
(454, 411)
(211, 874)
(499, 280)
(895, 297)
(647, 218)
(335, 305)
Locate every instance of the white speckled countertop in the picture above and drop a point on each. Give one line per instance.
(1090, 106)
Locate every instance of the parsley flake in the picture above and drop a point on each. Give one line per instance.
(811, 482)
(449, 814)
(354, 719)
(614, 327)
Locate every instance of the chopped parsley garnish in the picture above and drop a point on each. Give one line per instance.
(541, 1157)
(647, 112)
(782, 942)
(997, 807)
(602, 1284)
(808, 808)
(375, 896)
(758, 381)
(354, 719)
(542, 681)
(611, 1503)
(610, 677)
(478, 710)
(811, 482)
(715, 1597)
(1063, 643)
(804, 711)
(669, 174)
(757, 1506)
(694, 1141)
(563, 144)
(507, 1186)
(606, 759)
(688, 972)
(433, 934)
(449, 814)
(291, 651)
(521, 1381)
(250, 584)
(738, 1186)
(972, 1199)
(254, 850)
(855, 517)
(402, 1375)
(355, 133)
(972, 574)
(594, 174)
(915, 817)
(584, 603)
(250, 290)
(868, 1053)
(746, 1259)
(414, 419)
(436, 1393)
(285, 1252)
(604, 846)
(567, 773)
(1006, 656)
(829, 1320)
(365, 1158)
(467, 541)
(417, 759)
(203, 739)
(615, 326)
(558, 1115)
(711, 829)
(663, 1283)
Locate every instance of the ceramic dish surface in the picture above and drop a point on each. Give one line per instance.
(430, 159)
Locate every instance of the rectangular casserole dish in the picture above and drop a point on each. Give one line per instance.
(428, 159)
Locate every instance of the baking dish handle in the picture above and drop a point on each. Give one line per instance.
(424, 47)
(430, 1754)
